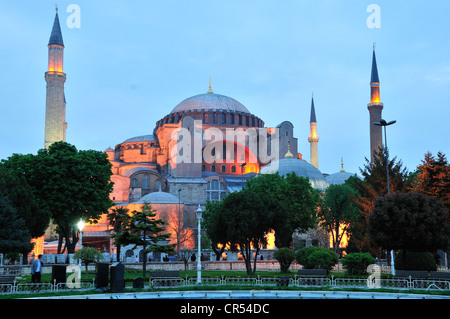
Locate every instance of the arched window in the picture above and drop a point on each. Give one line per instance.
(233, 169)
(158, 184)
(203, 167)
(215, 190)
(146, 182)
(240, 119)
(213, 168)
(224, 168)
(232, 118)
(134, 182)
(224, 118)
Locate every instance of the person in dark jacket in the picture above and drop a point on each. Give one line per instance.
(36, 270)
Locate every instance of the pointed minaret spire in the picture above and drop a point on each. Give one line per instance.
(313, 139)
(56, 35)
(313, 111)
(374, 75)
(375, 107)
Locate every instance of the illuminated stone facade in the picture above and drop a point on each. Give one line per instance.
(153, 168)
(149, 164)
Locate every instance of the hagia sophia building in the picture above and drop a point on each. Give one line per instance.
(191, 155)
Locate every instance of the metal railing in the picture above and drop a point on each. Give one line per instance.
(41, 287)
(320, 282)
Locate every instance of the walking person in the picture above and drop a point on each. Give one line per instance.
(36, 270)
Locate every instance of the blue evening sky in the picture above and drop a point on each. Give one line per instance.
(131, 62)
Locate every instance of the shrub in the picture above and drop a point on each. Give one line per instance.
(411, 260)
(88, 255)
(316, 258)
(285, 257)
(357, 263)
(301, 255)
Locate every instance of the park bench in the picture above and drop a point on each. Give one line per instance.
(312, 273)
(7, 282)
(412, 274)
(164, 278)
(7, 279)
(439, 275)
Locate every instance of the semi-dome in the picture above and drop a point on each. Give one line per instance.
(300, 168)
(338, 178)
(210, 101)
(159, 197)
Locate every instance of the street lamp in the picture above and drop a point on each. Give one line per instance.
(383, 123)
(199, 212)
(80, 226)
(179, 224)
(242, 171)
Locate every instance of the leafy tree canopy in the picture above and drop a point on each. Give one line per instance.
(410, 221)
(433, 177)
(297, 203)
(21, 197)
(14, 237)
(68, 183)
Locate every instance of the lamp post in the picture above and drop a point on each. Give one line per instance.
(383, 123)
(80, 226)
(179, 224)
(199, 212)
(242, 171)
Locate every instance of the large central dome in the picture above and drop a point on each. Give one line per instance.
(212, 109)
(210, 101)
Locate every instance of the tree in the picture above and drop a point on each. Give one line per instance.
(213, 223)
(373, 185)
(357, 263)
(143, 229)
(185, 256)
(70, 184)
(338, 211)
(88, 255)
(297, 203)
(285, 257)
(410, 221)
(21, 197)
(118, 218)
(175, 225)
(433, 177)
(14, 237)
(247, 219)
(312, 257)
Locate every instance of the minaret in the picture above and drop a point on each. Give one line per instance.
(55, 112)
(375, 107)
(313, 139)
